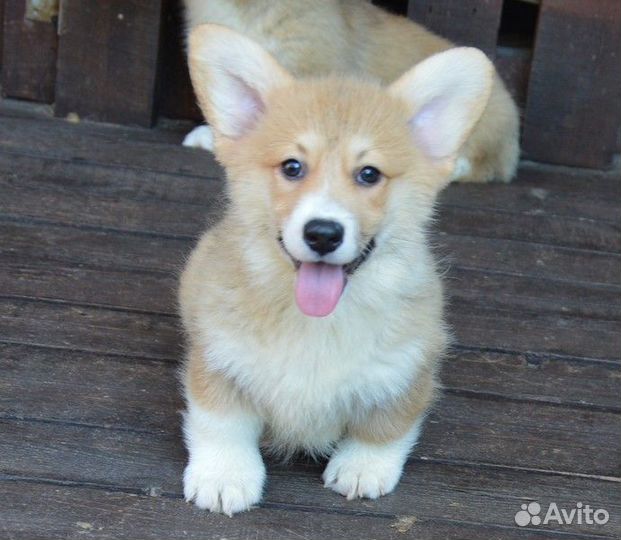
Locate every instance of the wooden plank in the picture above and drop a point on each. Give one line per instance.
(1, 34)
(120, 392)
(476, 324)
(32, 75)
(60, 382)
(106, 145)
(153, 463)
(108, 197)
(541, 189)
(477, 327)
(63, 245)
(465, 22)
(526, 294)
(537, 260)
(485, 313)
(110, 249)
(574, 107)
(34, 510)
(533, 226)
(521, 376)
(90, 286)
(538, 189)
(107, 60)
(90, 329)
(123, 199)
(116, 288)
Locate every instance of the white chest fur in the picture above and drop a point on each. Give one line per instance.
(312, 375)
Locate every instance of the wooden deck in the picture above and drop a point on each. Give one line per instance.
(95, 222)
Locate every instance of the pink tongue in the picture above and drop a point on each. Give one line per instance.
(318, 288)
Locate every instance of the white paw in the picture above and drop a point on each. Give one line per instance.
(228, 484)
(200, 137)
(462, 168)
(363, 470)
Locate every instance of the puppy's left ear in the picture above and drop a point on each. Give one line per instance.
(446, 95)
(232, 77)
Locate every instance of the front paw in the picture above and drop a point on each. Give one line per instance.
(224, 484)
(359, 470)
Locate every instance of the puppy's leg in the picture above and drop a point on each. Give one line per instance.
(364, 469)
(225, 472)
(200, 137)
(369, 461)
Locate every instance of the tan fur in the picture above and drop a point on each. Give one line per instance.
(229, 289)
(384, 424)
(209, 389)
(355, 37)
(353, 380)
(222, 292)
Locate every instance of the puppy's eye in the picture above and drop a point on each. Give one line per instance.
(292, 169)
(368, 176)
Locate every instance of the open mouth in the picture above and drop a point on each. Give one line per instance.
(319, 285)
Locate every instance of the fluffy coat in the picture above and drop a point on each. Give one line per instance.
(354, 385)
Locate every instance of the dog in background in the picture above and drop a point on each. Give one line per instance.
(313, 310)
(315, 38)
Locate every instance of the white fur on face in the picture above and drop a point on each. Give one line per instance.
(319, 205)
(225, 472)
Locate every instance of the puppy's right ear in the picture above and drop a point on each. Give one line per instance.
(232, 76)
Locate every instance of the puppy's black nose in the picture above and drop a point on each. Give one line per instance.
(323, 236)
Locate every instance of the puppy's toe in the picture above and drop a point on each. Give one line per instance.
(359, 470)
(223, 488)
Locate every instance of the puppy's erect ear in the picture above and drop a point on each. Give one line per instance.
(232, 76)
(446, 94)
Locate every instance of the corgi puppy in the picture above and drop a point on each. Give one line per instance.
(357, 38)
(313, 310)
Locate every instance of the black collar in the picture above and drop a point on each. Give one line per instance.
(364, 255)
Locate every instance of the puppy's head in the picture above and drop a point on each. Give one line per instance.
(325, 170)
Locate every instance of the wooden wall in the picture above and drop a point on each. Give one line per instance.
(28, 53)
(123, 61)
(574, 95)
(108, 60)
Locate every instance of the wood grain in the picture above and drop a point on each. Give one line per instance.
(28, 55)
(538, 189)
(1, 33)
(476, 324)
(120, 198)
(34, 510)
(574, 106)
(107, 60)
(95, 222)
(150, 461)
(60, 382)
(90, 329)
